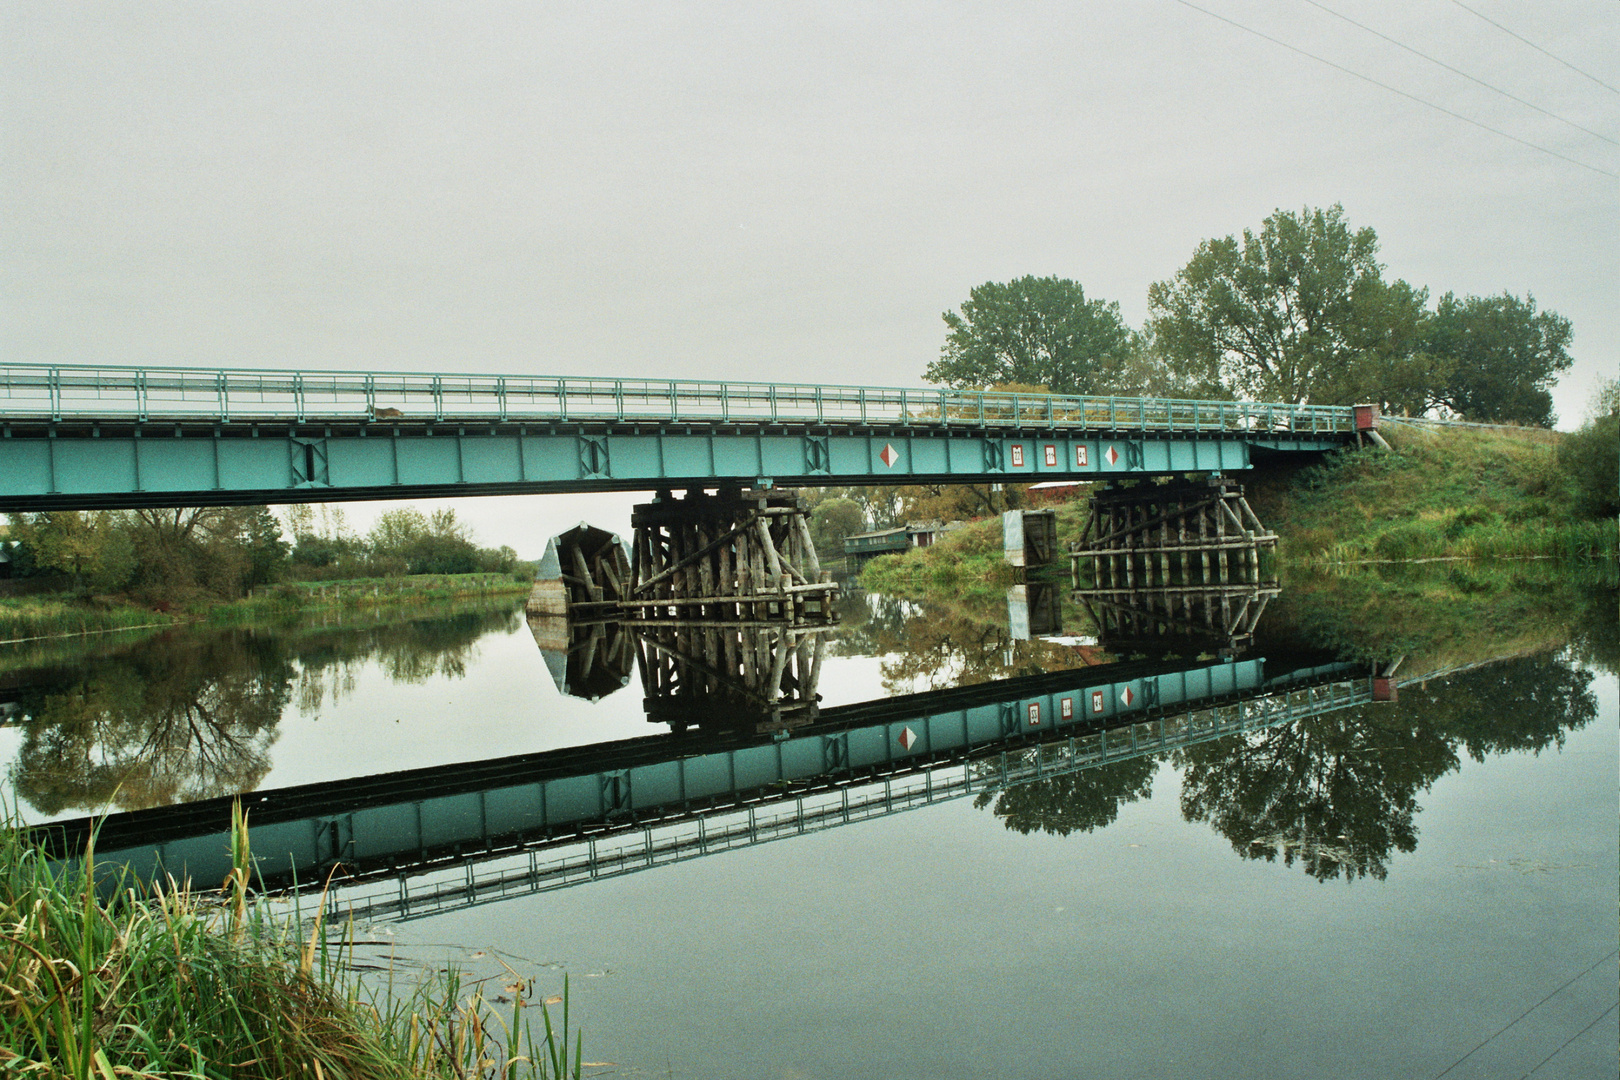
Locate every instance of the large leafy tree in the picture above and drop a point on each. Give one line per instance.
(1036, 331)
(1299, 312)
(1503, 357)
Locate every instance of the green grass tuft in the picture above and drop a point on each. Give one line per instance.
(99, 978)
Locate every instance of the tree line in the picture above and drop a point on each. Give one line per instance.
(1298, 312)
(174, 556)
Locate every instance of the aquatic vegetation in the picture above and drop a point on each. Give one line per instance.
(99, 978)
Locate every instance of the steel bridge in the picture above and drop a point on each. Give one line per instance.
(88, 437)
(598, 810)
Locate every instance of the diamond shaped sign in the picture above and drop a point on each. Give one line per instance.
(908, 738)
(1111, 455)
(1128, 697)
(889, 455)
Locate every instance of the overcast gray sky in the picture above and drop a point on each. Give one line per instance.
(755, 190)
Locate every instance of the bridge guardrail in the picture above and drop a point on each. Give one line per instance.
(143, 394)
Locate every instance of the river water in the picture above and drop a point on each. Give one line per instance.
(1385, 890)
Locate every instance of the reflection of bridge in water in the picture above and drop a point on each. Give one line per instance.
(415, 842)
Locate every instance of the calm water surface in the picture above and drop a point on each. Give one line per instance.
(1374, 892)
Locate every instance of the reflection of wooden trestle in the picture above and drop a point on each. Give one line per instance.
(760, 677)
(1148, 620)
(1168, 560)
(739, 556)
(1178, 534)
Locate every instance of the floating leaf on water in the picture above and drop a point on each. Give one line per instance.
(479, 955)
(554, 999)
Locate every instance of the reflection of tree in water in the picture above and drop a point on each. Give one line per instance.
(933, 646)
(1338, 793)
(176, 720)
(192, 716)
(408, 652)
(1074, 802)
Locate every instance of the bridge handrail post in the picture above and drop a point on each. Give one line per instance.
(370, 387)
(298, 397)
(1051, 420)
(725, 401)
(944, 416)
(863, 404)
(1197, 420)
(820, 407)
(618, 398)
(674, 406)
(500, 396)
(980, 396)
(437, 386)
(773, 401)
(1113, 413)
(53, 384)
(1016, 418)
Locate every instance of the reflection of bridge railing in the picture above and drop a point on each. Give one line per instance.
(795, 812)
(186, 394)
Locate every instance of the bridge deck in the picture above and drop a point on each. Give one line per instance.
(112, 437)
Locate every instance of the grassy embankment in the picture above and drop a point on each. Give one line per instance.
(28, 618)
(104, 982)
(1461, 493)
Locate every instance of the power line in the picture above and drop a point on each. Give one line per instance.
(1526, 1013)
(1569, 1040)
(1402, 93)
(1534, 46)
(1464, 74)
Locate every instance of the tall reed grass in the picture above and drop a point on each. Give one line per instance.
(101, 978)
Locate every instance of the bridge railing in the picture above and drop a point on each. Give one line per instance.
(61, 392)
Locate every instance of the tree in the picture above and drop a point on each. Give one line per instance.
(830, 522)
(1503, 356)
(91, 547)
(1299, 313)
(1592, 456)
(1035, 331)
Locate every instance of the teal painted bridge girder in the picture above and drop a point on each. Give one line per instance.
(116, 437)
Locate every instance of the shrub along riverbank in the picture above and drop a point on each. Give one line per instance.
(43, 616)
(98, 980)
(1452, 493)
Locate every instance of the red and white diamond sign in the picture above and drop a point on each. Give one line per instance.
(908, 738)
(1128, 697)
(1111, 455)
(889, 455)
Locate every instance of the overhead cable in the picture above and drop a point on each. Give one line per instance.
(1464, 74)
(1402, 93)
(1536, 47)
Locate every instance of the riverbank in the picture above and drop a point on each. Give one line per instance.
(99, 982)
(1452, 493)
(43, 617)
(1467, 493)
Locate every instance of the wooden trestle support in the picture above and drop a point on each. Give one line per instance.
(1176, 559)
(742, 557)
(730, 608)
